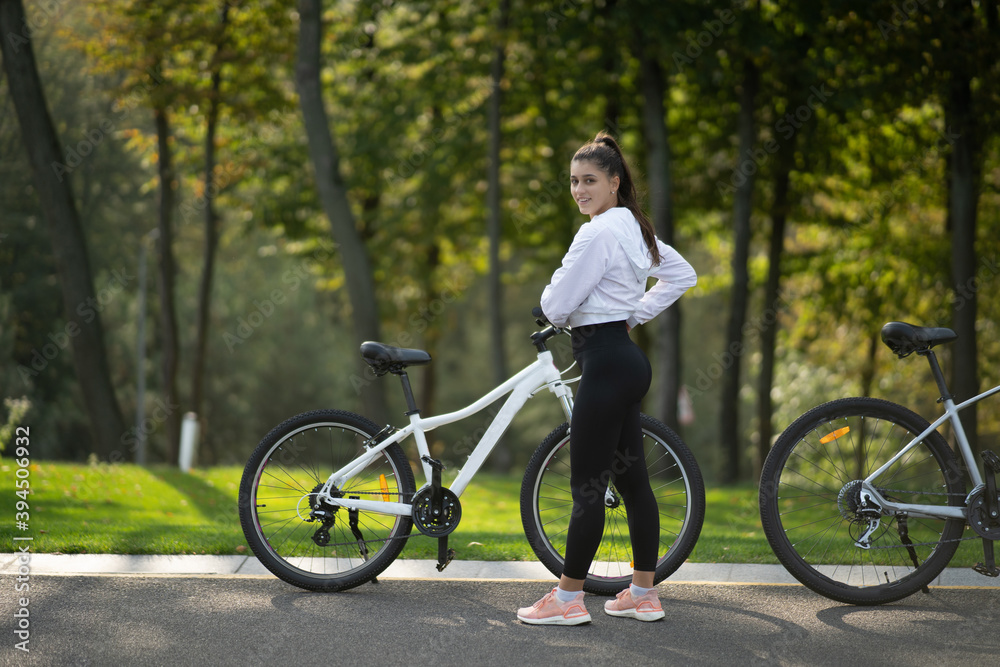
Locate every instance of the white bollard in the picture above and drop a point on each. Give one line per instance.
(189, 441)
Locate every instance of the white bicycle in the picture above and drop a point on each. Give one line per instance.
(328, 499)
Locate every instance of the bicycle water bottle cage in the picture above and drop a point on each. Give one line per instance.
(905, 339)
(388, 359)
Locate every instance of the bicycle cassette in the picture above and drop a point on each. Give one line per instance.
(436, 522)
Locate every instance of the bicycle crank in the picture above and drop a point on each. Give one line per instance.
(984, 514)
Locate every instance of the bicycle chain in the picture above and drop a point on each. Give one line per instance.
(923, 493)
(928, 544)
(377, 539)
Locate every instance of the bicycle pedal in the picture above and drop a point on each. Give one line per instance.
(445, 555)
(433, 463)
(988, 567)
(982, 569)
(443, 564)
(991, 460)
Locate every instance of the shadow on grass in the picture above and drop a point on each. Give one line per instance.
(214, 504)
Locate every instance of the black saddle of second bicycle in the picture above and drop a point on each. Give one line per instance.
(386, 358)
(905, 339)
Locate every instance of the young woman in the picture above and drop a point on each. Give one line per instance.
(600, 291)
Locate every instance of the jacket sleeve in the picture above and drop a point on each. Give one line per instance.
(582, 268)
(674, 276)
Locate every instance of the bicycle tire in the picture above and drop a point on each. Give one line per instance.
(808, 501)
(287, 467)
(547, 503)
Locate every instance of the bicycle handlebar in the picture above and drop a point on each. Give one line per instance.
(539, 316)
(539, 337)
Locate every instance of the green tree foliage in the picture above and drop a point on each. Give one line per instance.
(854, 154)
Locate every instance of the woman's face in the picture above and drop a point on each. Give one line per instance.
(593, 191)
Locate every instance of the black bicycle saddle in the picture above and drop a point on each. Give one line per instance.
(905, 339)
(386, 358)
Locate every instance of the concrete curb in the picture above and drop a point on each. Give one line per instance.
(719, 573)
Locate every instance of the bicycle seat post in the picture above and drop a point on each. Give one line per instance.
(937, 373)
(411, 404)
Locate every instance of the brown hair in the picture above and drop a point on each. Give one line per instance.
(607, 155)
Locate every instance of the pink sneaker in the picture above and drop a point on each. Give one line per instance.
(550, 611)
(645, 607)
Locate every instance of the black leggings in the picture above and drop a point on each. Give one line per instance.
(606, 445)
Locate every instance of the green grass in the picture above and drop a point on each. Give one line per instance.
(126, 509)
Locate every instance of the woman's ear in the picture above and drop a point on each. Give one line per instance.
(615, 182)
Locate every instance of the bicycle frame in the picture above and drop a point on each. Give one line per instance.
(542, 373)
(965, 450)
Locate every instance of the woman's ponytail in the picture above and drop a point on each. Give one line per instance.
(605, 152)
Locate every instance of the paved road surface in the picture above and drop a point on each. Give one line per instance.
(211, 620)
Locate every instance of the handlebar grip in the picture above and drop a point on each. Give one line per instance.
(539, 316)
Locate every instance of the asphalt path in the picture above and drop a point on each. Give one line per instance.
(211, 620)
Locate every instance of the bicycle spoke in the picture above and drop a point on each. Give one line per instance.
(816, 515)
(675, 483)
(305, 539)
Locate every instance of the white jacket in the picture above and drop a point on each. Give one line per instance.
(603, 275)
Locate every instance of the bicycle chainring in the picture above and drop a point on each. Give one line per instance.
(436, 522)
(979, 518)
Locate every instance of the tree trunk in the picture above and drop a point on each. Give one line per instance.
(211, 231)
(333, 196)
(432, 334)
(963, 202)
(69, 246)
(867, 382)
(501, 458)
(739, 295)
(165, 285)
(493, 200)
(668, 355)
(769, 321)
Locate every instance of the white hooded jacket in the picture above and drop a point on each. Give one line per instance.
(603, 275)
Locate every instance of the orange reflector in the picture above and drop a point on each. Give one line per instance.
(830, 437)
(631, 564)
(385, 487)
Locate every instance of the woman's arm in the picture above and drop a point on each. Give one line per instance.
(582, 268)
(674, 276)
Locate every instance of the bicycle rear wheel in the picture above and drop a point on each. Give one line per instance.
(547, 503)
(809, 501)
(278, 493)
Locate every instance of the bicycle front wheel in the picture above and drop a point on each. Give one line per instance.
(280, 509)
(812, 515)
(547, 504)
